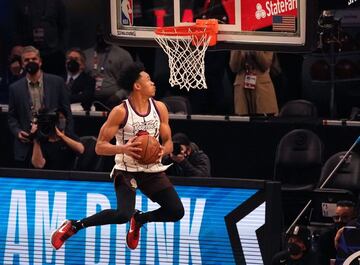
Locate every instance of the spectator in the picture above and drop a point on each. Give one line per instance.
(44, 25)
(188, 160)
(12, 73)
(347, 244)
(345, 212)
(106, 63)
(298, 250)
(35, 91)
(254, 91)
(53, 148)
(15, 65)
(80, 85)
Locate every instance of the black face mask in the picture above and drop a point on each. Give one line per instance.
(73, 66)
(32, 68)
(294, 249)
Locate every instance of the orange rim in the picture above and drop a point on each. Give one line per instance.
(182, 30)
(202, 27)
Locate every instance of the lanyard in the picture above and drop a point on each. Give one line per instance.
(96, 60)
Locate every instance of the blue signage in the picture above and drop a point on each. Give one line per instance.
(32, 208)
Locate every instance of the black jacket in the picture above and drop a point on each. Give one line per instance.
(326, 247)
(283, 258)
(19, 115)
(82, 90)
(197, 164)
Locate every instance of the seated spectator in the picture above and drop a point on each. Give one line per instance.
(80, 85)
(52, 147)
(346, 240)
(298, 250)
(188, 160)
(345, 212)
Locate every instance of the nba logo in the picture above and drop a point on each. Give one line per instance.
(127, 12)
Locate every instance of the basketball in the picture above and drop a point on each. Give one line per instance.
(150, 149)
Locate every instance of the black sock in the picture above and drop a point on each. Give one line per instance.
(141, 218)
(77, 224)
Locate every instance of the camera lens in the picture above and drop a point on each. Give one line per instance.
(46, 124)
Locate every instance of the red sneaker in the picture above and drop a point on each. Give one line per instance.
(133, 235)
(60, 235)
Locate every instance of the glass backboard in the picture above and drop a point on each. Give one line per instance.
(254, 24)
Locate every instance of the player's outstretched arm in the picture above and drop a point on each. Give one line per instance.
(108, 132)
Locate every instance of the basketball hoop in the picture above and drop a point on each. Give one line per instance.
(186, 47)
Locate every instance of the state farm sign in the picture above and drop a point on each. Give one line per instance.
(258, 14)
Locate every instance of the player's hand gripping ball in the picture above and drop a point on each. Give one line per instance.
(150, 148)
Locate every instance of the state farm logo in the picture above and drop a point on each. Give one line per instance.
(273, 8)
(260, 12)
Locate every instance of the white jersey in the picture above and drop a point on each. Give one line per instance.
(133, 123)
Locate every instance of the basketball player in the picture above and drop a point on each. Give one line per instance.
(137, 113)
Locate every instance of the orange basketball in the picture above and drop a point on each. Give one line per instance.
(150, 149)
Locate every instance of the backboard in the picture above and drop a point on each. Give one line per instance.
(243, 24)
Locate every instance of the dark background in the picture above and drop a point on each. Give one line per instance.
(236, 149)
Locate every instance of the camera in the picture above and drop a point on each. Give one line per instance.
(329, 30)
(176, 148)
(328, 20)
(46, 122)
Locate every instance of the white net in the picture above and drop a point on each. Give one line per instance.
(186, 56)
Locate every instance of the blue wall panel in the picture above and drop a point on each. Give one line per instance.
(32, 208)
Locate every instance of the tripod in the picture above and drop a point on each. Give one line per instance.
(330, 30)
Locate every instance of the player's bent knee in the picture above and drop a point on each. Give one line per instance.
(178, 213)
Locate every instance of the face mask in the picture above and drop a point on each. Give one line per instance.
(73, 66)
(32, 68)
(294, 249)
(61, 124)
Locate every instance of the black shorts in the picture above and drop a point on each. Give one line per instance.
(148, 183)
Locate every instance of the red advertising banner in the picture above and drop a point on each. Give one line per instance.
(257, 14)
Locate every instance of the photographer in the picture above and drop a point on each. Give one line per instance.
(188, 160)
(298, 249)
(52, 148)
(36, 90)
